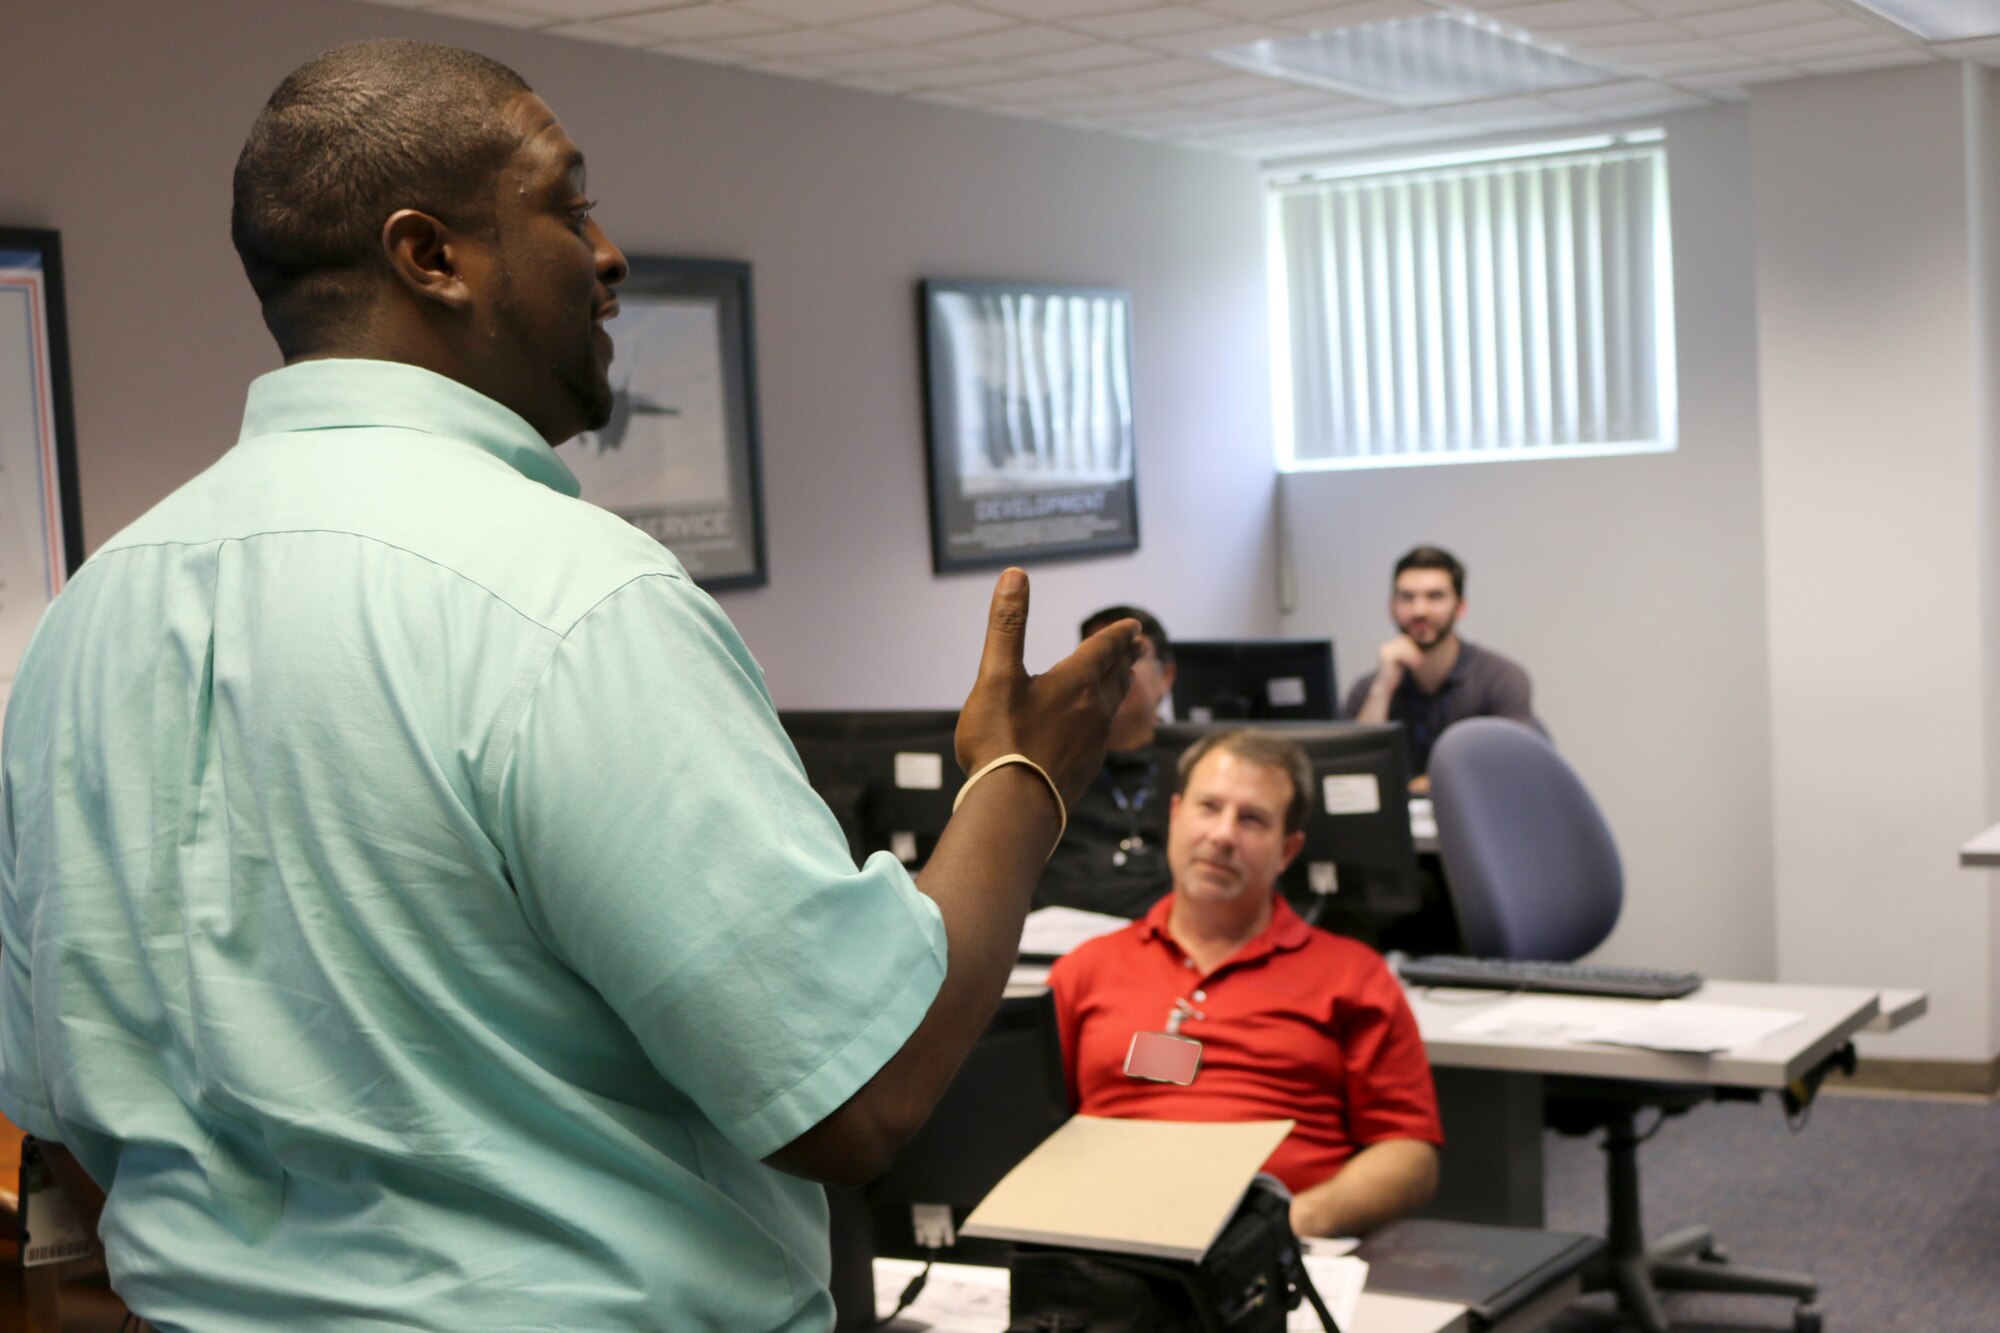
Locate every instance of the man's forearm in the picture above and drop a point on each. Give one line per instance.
(1375, 707)
(1382, 1182)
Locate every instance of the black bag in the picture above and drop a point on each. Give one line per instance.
(1247, 1282)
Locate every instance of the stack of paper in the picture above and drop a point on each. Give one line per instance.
(1054, 931)
(1665, 1025)
(1163, 1188)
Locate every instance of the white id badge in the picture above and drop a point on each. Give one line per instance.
(1162, 1058)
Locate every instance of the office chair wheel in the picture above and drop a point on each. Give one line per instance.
(1713, 1254)
(1808, 1318)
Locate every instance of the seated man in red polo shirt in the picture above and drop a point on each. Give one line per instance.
(1294, 1023)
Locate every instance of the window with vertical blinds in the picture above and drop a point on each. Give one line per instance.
(1517, 307)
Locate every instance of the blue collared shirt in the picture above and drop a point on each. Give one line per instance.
(412, 909)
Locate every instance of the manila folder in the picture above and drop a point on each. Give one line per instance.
(1163, 1188)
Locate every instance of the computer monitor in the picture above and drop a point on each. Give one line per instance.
(888, 776)
(1007, 1097)
(1359, 866)
(1254, 680)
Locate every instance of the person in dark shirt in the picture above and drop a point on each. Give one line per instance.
(1428, 677)
(1113, 857)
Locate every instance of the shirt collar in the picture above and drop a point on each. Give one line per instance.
(351, 392)
(1285, 931)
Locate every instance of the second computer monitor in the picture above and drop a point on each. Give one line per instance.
(1359, 865)
(1256, 680)
(889, 776)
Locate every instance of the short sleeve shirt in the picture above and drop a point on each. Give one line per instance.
(1298, 1024)
(412, 910)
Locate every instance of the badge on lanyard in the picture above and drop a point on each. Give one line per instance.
(1166, 1057)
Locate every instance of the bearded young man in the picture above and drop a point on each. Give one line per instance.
(414, 915)
(1427, 677)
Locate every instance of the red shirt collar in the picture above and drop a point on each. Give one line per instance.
(1284, 931)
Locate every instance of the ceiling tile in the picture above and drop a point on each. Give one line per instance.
(796, 44)
(1650, 57)
(820, 13)
(700, 23)
(1260, 10)
(1217, 39)
(787, 69)
(708, 55)
(1719, 61)
(1333, 17)
(1295, 101)
(1740, 78)
(1230, 87)
(1097, 55)
(1759, 18)
(574, 11)
(882, 60)
(1804, 34)
(508, 18)
(1845, 48)
(606, 33)
(1044, 88)
(1155, 21)
(932, 23)
(1601, 35)
(1607, 95)
(1157, 74)
(1058, 10)
(1680, 9)
(1102, 104)
(1549, 16)
(1014, 43)
(1853, 64)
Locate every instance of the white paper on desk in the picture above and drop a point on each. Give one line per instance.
(957, 1298)
(1054, 931)
(1702, 1029)
(1339, 1282)
(1551, 1018)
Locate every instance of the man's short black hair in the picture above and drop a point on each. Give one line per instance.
(1155, 633)
(1433, 557)
(347, 139)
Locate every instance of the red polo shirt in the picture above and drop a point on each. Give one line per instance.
(1299, 1024)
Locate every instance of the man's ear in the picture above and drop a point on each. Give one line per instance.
(427, 257)
(1295, 842)
(1167, 679)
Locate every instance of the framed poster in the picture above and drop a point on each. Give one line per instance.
(41, 519)
(679, 457)
(1029, 395)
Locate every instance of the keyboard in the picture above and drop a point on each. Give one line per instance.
(1637, 983)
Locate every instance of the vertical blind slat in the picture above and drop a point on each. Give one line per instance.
(1496, 307)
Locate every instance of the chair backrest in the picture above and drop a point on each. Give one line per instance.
(1529, 861)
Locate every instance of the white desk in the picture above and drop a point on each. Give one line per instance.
(1983, 850)
(1832, 1015)
(1490, 1090)
(986, 1310)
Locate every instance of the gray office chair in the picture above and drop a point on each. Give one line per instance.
(1533, 872)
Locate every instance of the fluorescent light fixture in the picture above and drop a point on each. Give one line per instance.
(1940, 20)
(1419, 62)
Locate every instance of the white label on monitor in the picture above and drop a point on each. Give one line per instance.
(918, 771)
(1350, 793)
(1200, 714)
(1286, 691)
(1322, 878)
(903, 846)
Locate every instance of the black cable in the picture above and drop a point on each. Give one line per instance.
(910, 1292)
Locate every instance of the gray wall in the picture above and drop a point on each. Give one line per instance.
(1631, 588)
(1876, 373)
(123, 119)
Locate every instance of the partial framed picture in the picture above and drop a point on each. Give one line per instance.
(1029, 396)
(679, 458)
(41, 515)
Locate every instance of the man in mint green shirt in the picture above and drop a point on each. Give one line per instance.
(411, 913)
